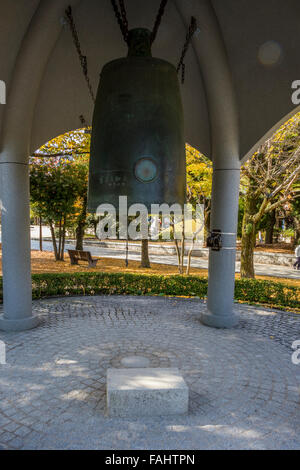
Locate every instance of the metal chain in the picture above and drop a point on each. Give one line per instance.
(82, 58)
(87, 129)
(191, 31)
(83, 121)
(121, 17)
(182, 73)
(124, 14)
(158, 20)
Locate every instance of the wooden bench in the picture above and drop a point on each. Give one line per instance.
(77, 255)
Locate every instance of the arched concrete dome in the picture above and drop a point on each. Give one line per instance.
(248, 48)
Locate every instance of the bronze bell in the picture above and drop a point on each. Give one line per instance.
(137, 144)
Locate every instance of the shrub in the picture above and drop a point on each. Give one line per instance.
(95, 283)
(267, 292)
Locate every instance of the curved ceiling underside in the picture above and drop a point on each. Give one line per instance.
(261, 38)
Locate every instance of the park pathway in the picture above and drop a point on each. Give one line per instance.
(260, 269)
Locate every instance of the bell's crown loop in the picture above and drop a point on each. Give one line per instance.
(139, 43)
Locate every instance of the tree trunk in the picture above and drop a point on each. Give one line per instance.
(248, 237)
(189, 258)
(59, 250)
(63, 240)
(126, 253)
(178, 252)
(297, 231)
(41, 234)
(271, 220)
(247, 255)
(206, 222)
(79, 235)
(81, 225)
(182, 247)
(188, 266)
(59, 240)
(54, 241)
(178, 248)
(145, 262)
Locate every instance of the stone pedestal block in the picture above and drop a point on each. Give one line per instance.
(146, 392)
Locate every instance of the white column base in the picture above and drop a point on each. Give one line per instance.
(219, 321)
(18, 325)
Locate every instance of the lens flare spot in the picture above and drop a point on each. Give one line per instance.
(270, 53)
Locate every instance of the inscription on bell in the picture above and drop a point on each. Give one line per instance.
(113, 180)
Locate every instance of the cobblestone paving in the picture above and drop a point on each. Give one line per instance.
(244, 389)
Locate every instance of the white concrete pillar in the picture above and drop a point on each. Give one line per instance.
(225, 152)
(30, 64)
(14, 195)
(221, 274)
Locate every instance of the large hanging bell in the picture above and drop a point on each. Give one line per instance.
(137, 145)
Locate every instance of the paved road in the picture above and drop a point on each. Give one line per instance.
(260, 269)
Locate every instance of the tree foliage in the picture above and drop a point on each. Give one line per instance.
(198, 175)
(58, 184)
(270, 180)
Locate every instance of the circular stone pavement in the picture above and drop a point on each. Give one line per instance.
(244, 388)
